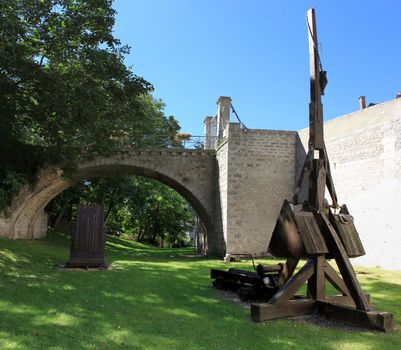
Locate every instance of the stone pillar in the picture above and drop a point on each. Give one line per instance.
(223, 114)
(207, 122)
(256, 173)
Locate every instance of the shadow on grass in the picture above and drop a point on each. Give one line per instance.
(150, 299)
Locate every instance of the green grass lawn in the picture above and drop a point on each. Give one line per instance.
(154, 299)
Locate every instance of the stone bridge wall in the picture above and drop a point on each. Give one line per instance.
(256, 173)
(192, 173)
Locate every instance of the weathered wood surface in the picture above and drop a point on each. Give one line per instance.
(88, 238)
(315, 106)
(347, 271)
(316, 284)
(344, 225)
(337, 282)
(266, 311)
(310, 232)
(88, 234)
(290, 287)
(382, 321)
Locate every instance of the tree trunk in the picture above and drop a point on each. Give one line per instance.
(111, 205)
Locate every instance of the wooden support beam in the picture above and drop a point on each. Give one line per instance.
(316, 284)
(337, 249)
(343, 300)
(337, 282)
(267, 311)
(315, 106)
(289, 288)
(287, 271)
(382, 321)
(329, 180)
(317, 185)
(303, 177)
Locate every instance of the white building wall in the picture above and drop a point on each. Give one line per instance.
(364, 148)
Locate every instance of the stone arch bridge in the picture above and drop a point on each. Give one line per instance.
(236, 185)
(192, 173)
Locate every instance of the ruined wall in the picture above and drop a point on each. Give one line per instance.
(364, 148)
(259, 166)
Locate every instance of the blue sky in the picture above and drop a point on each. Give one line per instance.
(256, 51)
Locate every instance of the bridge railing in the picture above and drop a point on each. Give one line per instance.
(180, 141)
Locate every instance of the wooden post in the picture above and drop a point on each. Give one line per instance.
(315, 107)
(337, 249)
(316, 284)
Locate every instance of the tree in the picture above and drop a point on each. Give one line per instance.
(143, 208)
(65, 87)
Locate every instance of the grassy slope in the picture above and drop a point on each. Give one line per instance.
(152, 299)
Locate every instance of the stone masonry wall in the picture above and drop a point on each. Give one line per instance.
(364, 148)
(221, 200)
(260, 175)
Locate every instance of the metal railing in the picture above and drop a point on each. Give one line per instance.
(180, 141)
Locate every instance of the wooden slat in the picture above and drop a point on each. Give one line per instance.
(310, 232)
(344, 225)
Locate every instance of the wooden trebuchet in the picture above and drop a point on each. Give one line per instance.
(318, 232)
(312, 229)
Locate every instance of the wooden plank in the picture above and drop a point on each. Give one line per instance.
(382, 321)
(345, 227)
(347, 272)
(316, 284)
(335, 279)
(310, 232)
(290, 287)
(343, 299)
(266, 311)
(286, 240)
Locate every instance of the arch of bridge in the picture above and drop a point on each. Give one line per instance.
(192, 173)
